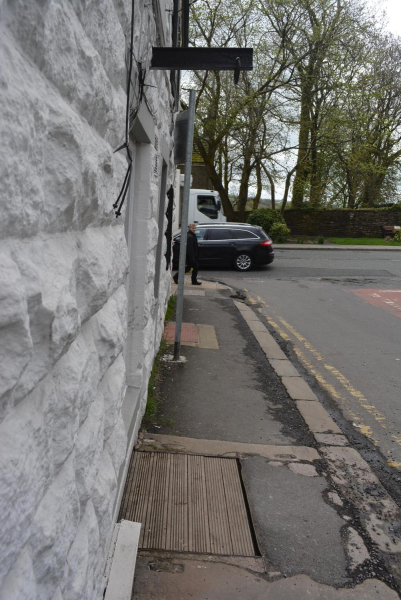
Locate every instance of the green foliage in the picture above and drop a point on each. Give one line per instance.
(342, 103)
(307, 208)
(397, 236)
(320, 239)
(279, 233)
(363, 242)
(299, 241)
(265, 218)
(153, 401)
(170, 308)
(394, 208)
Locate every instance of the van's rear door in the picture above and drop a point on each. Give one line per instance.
(205, 208)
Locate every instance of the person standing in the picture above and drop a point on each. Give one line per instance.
(192, 256)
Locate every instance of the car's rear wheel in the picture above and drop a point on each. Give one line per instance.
(243, 262)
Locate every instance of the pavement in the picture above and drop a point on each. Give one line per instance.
(324, 526)
(336, 247)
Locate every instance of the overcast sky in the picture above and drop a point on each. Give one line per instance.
(393, 10)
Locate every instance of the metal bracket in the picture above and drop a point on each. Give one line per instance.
(203, 59)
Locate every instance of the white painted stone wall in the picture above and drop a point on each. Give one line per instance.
(64, 442)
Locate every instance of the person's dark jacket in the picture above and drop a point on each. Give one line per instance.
(192, 249)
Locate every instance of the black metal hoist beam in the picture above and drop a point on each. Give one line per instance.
(202, 59)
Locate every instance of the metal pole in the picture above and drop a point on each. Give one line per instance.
(184, 225)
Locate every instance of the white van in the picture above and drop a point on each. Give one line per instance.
(204, 207)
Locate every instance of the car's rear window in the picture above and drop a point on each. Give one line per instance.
(221, 234)
(244, 234)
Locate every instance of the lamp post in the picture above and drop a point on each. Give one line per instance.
(184, 225)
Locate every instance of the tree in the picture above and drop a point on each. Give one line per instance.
(229, 118)
(325, 75)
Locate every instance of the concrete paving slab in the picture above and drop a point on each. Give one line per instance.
(250, 316)
(232, 395)
(284, 368)
(298, 389)
(189, 332)
(274, 352)
(257, 325)
(158, 557)
(207, 337)
(378, 512)
(302, 469)
(356, 549)
(335, 498)
(331, 439)
(242, 307)
(213, 285)
(337, 247)
(269, 345)
(180, 579)
(194, 292)
(172, 443)
(295, 528)
(265, 338)
(316, 417)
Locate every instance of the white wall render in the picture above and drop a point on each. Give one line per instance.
(73, 293)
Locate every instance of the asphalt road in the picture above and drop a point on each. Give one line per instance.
(340, 314)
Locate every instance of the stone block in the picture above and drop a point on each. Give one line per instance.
(357, 551)
(15, 339)
(284, 368)
(20, 581)
(53, 314)
(117, 444)
(106, 33)
(104, 495)
(98, 274)
(273, 350)
(250, 316)
(82, 558)
(298, 389)
(113, 388)
(74, 377)
(109, 329)
(25, 469)
(59, 154)
(256, 325)
(242, 307)
(331, 439)
(57, 594)
(88, 449)
(54, 529)
(316, 417)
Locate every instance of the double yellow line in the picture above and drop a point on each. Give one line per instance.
(312, 359)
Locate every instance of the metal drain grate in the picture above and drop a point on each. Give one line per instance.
(187, 503)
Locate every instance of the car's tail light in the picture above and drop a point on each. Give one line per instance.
(266, 243)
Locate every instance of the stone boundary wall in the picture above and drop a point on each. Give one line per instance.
(63, 300)
(341, 223)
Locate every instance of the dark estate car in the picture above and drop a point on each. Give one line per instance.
(235, 245)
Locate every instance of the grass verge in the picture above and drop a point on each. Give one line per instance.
(362, 242)
(152, 412)
(153, 400)
(171, 308)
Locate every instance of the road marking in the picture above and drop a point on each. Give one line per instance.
(364, 403)
(393, 463)
(390, 300)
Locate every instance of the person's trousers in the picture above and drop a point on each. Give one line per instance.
(194, 273)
